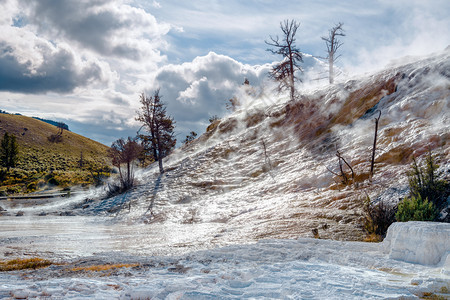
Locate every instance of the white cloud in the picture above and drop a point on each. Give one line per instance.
(109, 28)
(400, 28)
(90, 57)
(193, 91)
(196, 90)
(156, 4)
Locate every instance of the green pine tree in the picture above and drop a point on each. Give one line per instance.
(416, 209)
(424, 181)
(9, 151)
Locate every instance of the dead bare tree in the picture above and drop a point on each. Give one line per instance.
(333, 44)
(61, 126)
(284, 72)
(374, 144)
(266, 157)
(341, 159)
(154, 194)
(267, 163)
(342, 174)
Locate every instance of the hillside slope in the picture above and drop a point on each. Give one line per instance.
(37, 155)
(262, 171)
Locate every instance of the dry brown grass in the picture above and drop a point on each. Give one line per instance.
(212, 126)
(361, 100)
(277, 123)
(398, 155)
(24, 264)
(228, 125)
(432, 296)
(208, 184)
(361, 177)
(102, 268)
(253, 119)
(373, 238)
(356, 104)
(35, 138)
(306, 116)
(257, 173)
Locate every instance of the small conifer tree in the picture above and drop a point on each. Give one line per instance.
(427, 193)
(416, 209)
(424, 181)
(9, 151)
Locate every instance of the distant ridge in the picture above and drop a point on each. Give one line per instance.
(54, 123)
(51, 122)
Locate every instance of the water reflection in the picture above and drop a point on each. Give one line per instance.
(77, 236)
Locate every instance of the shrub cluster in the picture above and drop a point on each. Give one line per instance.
(416, 209)
(55, 138)
(378, 217)
(428, 195)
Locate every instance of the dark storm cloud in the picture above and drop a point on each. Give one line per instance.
(61, 45)
(58, 73)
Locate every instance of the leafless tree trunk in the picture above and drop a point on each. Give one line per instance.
(338, 154)
(374, 144)
(159, 144)
(266, 157)
(60, 126)
(333, 44)
(341, 169)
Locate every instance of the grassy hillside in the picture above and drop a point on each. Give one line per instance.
(42, 162)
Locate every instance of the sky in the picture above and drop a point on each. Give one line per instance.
(86, 62)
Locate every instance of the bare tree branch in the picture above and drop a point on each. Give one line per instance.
(333, 44)
(374, 144)
(338, 154)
